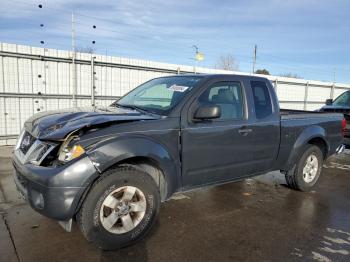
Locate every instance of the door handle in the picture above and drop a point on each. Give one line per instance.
(244, 131)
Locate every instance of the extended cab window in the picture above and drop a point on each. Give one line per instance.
(227, 95)
(262, 99)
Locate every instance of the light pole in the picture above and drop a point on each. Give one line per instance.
(74, 69)
(254, 58)
(197, 57)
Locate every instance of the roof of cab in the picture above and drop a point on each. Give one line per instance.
(209, 76)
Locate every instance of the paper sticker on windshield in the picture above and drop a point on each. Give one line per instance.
(177, 88)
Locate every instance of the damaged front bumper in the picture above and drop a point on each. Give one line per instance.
(55, 192)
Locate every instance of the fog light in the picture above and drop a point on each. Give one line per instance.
(37, 199)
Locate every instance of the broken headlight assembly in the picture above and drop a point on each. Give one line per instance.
(70, 150)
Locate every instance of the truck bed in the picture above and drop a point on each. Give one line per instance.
(291, 113)
(296, 122)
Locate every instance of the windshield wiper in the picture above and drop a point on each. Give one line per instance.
(133, 107)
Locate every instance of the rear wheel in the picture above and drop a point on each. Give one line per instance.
(304, 175)
(120, 208)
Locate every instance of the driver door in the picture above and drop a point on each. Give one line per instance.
(218, 150)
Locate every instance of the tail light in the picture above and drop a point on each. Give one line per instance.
(343, 126)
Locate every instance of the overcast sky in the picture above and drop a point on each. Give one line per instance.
(309, 38)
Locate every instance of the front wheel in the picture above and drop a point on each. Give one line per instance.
(304, 175)
(120, 208)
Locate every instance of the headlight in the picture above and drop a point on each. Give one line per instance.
(19, 139)
(68, 153)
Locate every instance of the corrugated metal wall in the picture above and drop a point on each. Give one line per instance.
(36, 79)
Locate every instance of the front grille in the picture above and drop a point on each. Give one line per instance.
(32, 150)
(27, 141)
(39, 151)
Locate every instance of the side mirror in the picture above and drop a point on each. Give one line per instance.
(207, 112)
(329, 102)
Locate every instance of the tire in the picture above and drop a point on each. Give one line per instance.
(112, 216)
(302, 176)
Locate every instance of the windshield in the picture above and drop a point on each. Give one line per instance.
(343, 99)
(159, 95)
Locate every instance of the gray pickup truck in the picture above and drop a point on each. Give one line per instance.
(109, 168)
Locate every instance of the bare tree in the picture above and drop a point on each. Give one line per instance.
(86, 49)
(291, 75)
(227, 62)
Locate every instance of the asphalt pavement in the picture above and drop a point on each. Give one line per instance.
(253, 220)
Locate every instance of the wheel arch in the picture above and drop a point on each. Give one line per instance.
(152, 168)
(320, 143)
(145, 154)
(314, 135)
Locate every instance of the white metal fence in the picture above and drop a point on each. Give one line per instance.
(37, 79)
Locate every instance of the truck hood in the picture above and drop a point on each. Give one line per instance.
(56, 125)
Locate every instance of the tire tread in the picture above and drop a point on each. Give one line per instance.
(292, 174)
(83, 214)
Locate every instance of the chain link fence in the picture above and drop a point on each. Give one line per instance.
(37, 79)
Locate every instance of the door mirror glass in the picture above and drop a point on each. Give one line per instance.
(207, 112)
(329, 102)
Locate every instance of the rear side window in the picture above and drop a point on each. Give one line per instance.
(262, 99)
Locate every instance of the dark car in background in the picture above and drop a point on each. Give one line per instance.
(341, 105)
